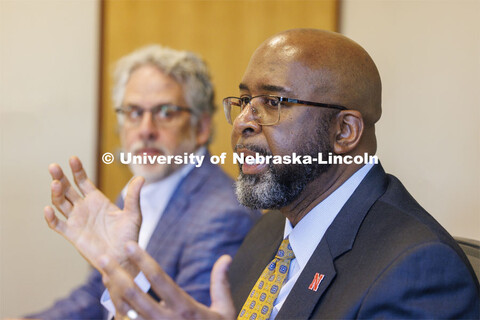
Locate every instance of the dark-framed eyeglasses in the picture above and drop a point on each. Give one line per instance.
(265, 108)
(162, 115)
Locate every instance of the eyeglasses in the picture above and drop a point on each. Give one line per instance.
(265, 108)
(162, 115)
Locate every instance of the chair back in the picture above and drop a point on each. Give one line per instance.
(472, 251)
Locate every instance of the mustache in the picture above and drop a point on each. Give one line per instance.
(147, 144)
(250, 147)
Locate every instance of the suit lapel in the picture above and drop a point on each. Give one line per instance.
(270, 248)
(177, 206)
(302, 300)
(338, 239)
(264, 246)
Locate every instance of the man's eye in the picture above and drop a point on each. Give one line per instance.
(244, 101)
(166, 113)
(270, 102)
(134, 114)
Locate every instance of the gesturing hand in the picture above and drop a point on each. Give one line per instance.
(175, 303)
(94, 225)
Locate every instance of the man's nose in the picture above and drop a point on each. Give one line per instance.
(246, 124)
(148, 129)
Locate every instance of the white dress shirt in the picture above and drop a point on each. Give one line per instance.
(307, 234)
(154, 198)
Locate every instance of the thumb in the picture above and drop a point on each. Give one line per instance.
(220, 288)
(132, 198)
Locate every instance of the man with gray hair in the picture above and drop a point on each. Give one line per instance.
(164, 100)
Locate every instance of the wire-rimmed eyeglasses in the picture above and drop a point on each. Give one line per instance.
(265, 108)
(162, 115)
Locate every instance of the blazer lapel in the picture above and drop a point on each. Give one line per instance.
(310, 286)
(338, 239)
(264, 246)
(270, 248)
(177, 206)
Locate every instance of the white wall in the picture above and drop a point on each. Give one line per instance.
(428, 54)
(48, 99)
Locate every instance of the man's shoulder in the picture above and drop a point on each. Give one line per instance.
(398, 248)
(397, 225)
(397, 211)
(381, 222)
(387, 209)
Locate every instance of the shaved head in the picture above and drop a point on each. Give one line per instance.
(332, 68)
(314, 66)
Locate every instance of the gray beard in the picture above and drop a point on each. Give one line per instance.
(266, 191)
(281, 184)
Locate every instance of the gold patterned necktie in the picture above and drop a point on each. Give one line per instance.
(259, 303)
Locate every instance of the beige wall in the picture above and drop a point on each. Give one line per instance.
(428, 54)
(48, 100)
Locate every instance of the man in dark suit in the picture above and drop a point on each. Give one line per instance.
(348, 240)
(164, 99)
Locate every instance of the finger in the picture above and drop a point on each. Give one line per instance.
(57, 174)
(58, 198)
(80, 176)
(121, 308)
(131, 314)
(113, 282)
(220, 288)
(132, 198)
(52, 221)
(125, 293)
(55, 171)
(161, 283)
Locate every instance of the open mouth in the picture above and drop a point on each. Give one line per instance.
(252, 164)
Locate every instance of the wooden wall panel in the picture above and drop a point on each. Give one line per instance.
(225, 33)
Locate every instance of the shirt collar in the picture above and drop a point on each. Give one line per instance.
(165, 187)
(307, 234)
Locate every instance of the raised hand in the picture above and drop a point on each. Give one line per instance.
(175, 303)
(94, 225)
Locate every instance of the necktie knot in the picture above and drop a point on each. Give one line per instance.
(285, 251)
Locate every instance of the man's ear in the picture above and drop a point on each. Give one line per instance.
(348, 131)
(204, 129)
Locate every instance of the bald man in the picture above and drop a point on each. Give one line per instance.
(348, 240)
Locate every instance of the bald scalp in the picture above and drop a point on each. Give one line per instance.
(339, 71)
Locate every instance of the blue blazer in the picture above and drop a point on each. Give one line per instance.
(383, 256)
(202, 221)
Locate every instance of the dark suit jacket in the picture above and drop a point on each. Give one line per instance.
(202, 221)
(383, 256)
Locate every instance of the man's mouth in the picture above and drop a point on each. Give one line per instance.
(249, 167)
(148, 152)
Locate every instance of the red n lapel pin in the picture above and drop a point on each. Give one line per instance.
(316, 281)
